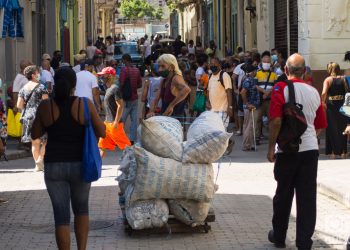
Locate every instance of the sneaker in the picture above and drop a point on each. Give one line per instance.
(39, 166)
(3, 201)
(271, 238)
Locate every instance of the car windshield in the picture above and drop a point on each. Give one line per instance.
(125, 48)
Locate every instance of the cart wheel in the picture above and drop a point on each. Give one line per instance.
(206, 228)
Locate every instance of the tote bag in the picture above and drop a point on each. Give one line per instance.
(199, 104)
(14, 127)
(92, 162)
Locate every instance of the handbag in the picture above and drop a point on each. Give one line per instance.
(14, 127)
(92, 162)
(200, 103)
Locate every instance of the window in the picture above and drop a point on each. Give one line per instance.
(160, 3)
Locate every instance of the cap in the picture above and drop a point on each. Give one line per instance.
(46, 57)
(107, 71)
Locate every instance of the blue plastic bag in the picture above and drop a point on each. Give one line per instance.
(92, 162)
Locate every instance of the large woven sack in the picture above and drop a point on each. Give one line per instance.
(189, 212)
(207, 139)
(162, 136)
(161, 178)
(127, 168)
(147, 214)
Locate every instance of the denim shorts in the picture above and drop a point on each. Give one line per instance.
(65, 185)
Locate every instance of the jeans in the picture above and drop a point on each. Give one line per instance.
(65, 185)
(131, 108)
(296, 173)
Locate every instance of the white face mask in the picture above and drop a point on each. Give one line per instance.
(266, 66)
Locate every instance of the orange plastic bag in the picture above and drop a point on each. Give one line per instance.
(114, 137)
(14, 127)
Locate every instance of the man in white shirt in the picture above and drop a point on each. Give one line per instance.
(87, 84)
(19, 82)
(147, 46)
(46, 77)
(109, 51)
(47, 57)
(90, 49)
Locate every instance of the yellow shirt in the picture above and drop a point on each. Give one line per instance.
(262, 79)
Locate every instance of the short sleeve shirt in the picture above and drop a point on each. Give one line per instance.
(253, 95)
(262, 79)
(313, 110)
(199, 73)
(113, 94)
(86, 81)
(240, 73)
(19, 83)
(46, 76)
(217, 92)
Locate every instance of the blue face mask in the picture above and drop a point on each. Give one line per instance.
(274, 58)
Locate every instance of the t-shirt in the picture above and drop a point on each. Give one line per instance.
(86, 81)
(19, 83)
(217, 93)
(135, 79)
(240, 73)
(77, 68)
(45, 77)
(191, 50)
(199, 73)
(307, 96)
(52, 71)
(113, 94)
(110, 49)
(148, 49)
(90, 51)
(253, 96)
(262, 79)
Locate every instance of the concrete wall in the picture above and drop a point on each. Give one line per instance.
(265, 25)
(324, 32)
(14, 50)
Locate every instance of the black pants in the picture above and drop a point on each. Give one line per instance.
(296, 172)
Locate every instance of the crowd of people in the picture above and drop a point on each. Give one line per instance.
(246, 89)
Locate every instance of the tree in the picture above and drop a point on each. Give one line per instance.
(135, 9)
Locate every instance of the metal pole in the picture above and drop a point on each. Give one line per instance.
(288, 27)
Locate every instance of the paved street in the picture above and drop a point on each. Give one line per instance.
(243, 209)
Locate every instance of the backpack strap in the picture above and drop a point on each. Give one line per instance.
(291, 91)
(221, 78)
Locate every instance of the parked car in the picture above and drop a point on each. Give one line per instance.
(127, 47)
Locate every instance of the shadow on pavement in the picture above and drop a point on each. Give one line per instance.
(242, 222)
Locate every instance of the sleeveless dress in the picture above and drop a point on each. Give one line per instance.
(31, 107)
(336, 142)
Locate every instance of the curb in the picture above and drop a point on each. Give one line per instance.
(16, 155)
(343, 198)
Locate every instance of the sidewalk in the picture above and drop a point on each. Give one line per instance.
(12, 153)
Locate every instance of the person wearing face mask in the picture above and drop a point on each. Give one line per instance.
(251, 103)
(220, 94)
(29, 98)
(173, 91)
(266, 79)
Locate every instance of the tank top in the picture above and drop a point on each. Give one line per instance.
(167, 96)
(65, 136)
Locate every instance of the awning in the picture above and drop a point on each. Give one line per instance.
(12, 14)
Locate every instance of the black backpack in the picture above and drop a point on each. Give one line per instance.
(294, 124)
(127, 89)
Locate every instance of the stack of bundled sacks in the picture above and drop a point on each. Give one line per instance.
(169, 175)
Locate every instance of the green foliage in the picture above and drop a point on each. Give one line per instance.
(139, 8)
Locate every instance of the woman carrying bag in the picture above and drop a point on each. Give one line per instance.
(63, 119)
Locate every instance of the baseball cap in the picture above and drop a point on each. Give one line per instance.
(89, 62)
(107, 71)
(46, 57)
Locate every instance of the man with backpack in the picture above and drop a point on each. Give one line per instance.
(294, 126)
(130, 80)
(220, 94)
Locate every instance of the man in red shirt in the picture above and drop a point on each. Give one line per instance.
(295, 172)
(132, 75)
